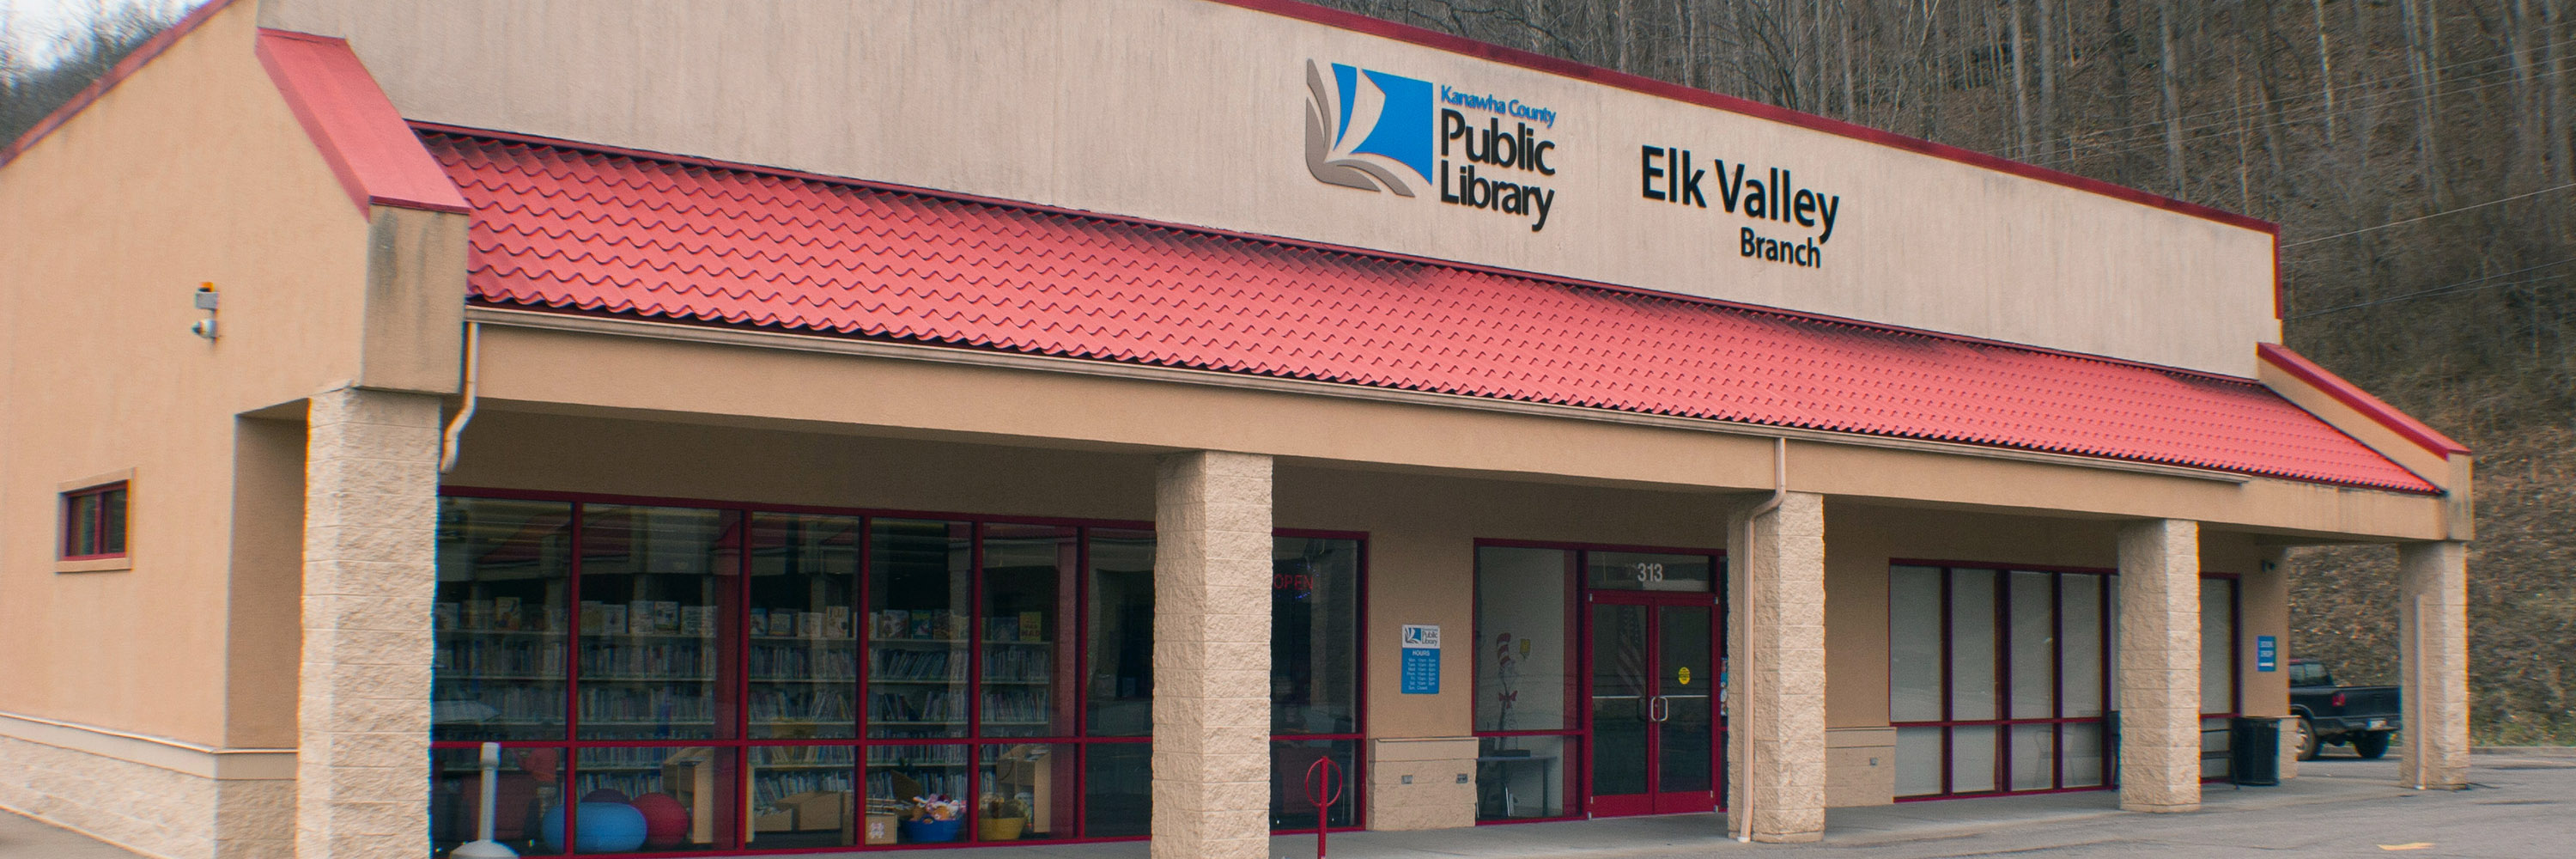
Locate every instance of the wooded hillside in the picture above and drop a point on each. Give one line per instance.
(2417, 155)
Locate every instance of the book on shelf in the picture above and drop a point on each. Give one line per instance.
(836, 622)
(1002, 629)
(505, 613)
(698, 621)
(666, 617)
(809, 624)
(442, 616)
(477, 614)
(782, 623)
(890, 623)
(612, 619)
(1032, 626)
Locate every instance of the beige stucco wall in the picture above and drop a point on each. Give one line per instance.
(192, 170)
(743, 385)
(1195, 112)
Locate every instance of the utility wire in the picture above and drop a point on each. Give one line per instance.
(2433, 215)
(2222, 130)
(2462, 286)
(2338, 89)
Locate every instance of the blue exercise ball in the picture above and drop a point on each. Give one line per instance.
(605, 827)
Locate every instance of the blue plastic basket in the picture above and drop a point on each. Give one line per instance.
(930, 831)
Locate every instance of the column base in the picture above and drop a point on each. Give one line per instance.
(2159, 807)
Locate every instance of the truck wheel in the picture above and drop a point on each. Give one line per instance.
(2371, 745)
(2309, 746)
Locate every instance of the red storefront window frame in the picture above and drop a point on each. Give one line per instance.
(733, 737)
(2003, 658)
(1577, 678)
(2003, 680)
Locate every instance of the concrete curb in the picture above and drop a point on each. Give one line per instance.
(2527, 751)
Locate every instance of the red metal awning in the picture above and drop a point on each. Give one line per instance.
(568, 228)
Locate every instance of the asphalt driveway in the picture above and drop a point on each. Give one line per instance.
(2523, 806)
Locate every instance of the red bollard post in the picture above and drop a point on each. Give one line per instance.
(1324, 793)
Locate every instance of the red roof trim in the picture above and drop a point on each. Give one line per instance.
(575, 230)
(376, 157)
(1303, 244)
(125, 68)
(2352, 396)
(1637, 83)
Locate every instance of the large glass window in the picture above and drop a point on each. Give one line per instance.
(1528, 677)
(504, 580)
(1314, 675)
(671, 679)
(804, 644)
(2218, 693)
(1997, 678)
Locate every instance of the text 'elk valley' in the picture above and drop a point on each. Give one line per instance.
(1667, 174)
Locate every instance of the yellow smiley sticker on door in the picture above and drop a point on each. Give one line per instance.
(1685, 675)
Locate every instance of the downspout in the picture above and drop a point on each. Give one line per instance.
(1744, 673)
(447, 449)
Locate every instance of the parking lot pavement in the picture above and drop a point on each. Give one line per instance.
(2523, 805)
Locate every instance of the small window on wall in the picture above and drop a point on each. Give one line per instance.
(94, 523)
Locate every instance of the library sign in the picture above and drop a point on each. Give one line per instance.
(1372, 130)
(1408, 137)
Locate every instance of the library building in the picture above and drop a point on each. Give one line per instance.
(698, 428)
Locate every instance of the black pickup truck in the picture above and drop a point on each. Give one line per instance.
(2363, 716)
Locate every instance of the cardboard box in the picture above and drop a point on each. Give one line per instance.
(776, 821)
(818, 810)
(880, 829)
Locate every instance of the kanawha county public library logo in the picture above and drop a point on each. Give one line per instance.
(1376, 131)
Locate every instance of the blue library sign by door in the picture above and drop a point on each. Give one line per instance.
(1421, 659)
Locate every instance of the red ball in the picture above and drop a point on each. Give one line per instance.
(666, 821)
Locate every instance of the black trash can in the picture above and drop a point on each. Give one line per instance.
(2254, 750)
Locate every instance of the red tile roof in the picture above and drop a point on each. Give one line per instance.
(568, 228)
(366, 142)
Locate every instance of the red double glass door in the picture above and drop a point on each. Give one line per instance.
(1655, 714)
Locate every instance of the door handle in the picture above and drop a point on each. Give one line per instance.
(1659, 709)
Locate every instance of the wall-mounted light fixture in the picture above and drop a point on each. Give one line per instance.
(205, 301)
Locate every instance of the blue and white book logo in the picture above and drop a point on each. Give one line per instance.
(1363, 128)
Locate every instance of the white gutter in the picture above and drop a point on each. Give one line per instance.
(447, 448)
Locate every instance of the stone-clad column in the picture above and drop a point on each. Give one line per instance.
(1212, 656)
(2159, 666)
(2433, 664)
(1776, 634)
(370, 574)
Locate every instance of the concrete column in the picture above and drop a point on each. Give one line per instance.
(1775, 763)
(1212, 656)
(2433, 664)
(2159, 666)
(370, 574)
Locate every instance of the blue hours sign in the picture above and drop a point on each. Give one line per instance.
(1421, 659)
